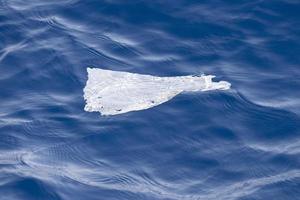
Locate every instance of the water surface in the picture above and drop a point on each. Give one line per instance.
(239, 144)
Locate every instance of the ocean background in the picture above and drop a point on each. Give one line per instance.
(240, 144)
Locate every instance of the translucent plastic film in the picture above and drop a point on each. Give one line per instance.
(113, 92)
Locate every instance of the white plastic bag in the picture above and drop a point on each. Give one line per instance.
(113, 92)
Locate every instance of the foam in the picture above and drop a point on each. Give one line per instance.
(114, 92)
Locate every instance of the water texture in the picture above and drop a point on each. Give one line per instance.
(239, 144)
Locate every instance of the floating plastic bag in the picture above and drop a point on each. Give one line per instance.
(114, 92)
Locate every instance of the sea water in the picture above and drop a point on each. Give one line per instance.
(237, 144)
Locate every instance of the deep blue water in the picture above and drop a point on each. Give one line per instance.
(238, 144)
